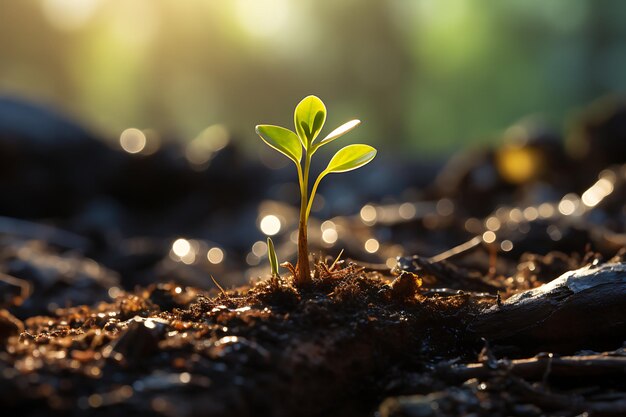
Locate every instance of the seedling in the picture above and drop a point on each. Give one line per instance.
(309, 118)
(271, 255)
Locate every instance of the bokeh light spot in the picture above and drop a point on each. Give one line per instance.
(270, 225)
(372, 245)
(181, 247)
(330, 236)
(489, 237)
(259, 248)
(133, 140)
(215, 255)
(407, 211)
(506, 246)
(368, 214)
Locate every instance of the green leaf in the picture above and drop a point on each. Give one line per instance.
(281, 139)
(349, 158)
(309, 119)
(271, 254)
(339, 132)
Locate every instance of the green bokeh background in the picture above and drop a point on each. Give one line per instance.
(429, 75)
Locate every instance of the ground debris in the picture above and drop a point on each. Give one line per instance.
(154, 348)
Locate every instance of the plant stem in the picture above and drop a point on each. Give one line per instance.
(313, 191)
(302, 266)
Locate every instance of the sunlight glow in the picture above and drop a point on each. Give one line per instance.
(262, 18)
(203, 148)
(69, 15)
(134, 23)
(341, 130)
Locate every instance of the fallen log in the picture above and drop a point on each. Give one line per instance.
(582, 309)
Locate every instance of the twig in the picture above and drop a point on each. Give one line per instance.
(332, 266)
(536, 368)
(382, 268)
(25, 287)
(220, 287)
(448, 274)
(457, 250)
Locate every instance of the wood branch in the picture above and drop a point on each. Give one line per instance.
(13, 291)
(572, 403)
(582, 309)
(540, 367)
(444, 273)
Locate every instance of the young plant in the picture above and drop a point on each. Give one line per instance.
(271, 255)
(309, 118)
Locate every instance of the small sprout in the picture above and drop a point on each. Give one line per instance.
(309, 118)
(271, 254)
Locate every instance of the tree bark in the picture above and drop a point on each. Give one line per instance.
(582, 309)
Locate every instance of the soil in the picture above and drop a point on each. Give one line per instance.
(330, 349)
(351, 343)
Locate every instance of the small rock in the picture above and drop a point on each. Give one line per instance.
(405, 286)
(138, 342)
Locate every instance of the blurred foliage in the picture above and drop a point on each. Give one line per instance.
(429, 73)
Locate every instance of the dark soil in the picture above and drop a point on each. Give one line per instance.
(337, 348)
